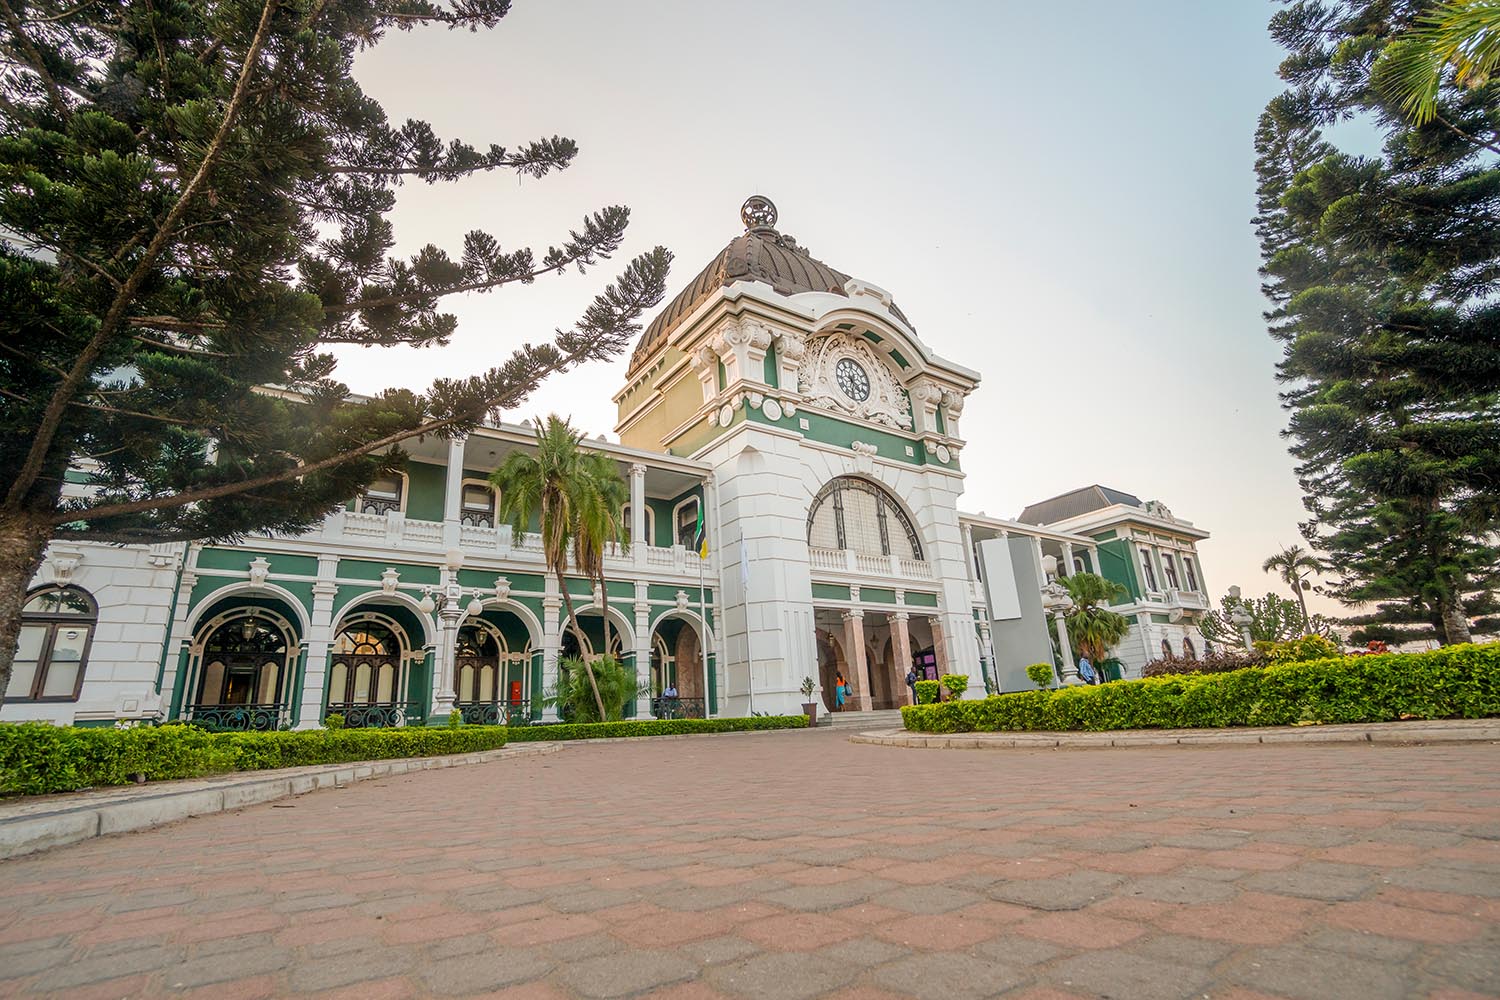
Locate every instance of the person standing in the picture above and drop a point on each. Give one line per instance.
(911, 683)
(840, 691)
(1086, 670)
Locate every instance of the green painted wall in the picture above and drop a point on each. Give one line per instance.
(426, 483)
(1115, 563)
(830, 592)
(920, 600)
(877, 595)
(364, 569)
(239, 559)
(770, 373)
(486, 579)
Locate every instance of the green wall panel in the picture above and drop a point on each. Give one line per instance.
(770, 373)
(877, 595)
(921, 600)
(1115, 563)
(239, 559)
(364, 569)
(830, 592)
(426, 484)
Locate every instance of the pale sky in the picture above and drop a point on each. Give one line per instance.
(1060, 202)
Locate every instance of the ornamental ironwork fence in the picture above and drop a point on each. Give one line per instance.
(678, 708)
(379, 715)
(238, 718)
(516, 712)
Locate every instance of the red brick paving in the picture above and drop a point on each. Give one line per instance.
(800, 865)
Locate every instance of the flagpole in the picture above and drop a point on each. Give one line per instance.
(745, 599)
(703, 616)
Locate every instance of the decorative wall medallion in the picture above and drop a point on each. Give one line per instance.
(943, 454)
(726, 414)
(713, 418)
(844, 373)
(771, 409)
(260, 568)
(682, 600)
(388, 581)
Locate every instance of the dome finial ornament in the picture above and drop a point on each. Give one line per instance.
(758, 212)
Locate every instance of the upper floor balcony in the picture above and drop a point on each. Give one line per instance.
(1187, 600)
(393, 530)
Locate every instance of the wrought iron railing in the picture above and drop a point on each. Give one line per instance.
(238, 718)
(496, 713)
(379, 715)
(678, 708)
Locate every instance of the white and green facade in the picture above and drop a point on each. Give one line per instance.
(794, 405)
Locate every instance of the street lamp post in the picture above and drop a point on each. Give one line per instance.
(1057, 602)
(447, 599)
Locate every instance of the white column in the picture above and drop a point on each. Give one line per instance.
(1069, 669)
(319, 640)
(1067, 567)
(638, 539)
(642, 650)
(1036, 550)
(453, 492)
(449, 616)
(551, 640)
(854, 646)
(179, 637)
(968, 536)
(901, 646)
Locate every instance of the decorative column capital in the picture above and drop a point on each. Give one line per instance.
(854, 615)
(901, 616)
(637, 469)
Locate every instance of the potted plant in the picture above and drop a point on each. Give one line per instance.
(809, 706)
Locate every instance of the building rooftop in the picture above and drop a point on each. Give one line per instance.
(762, 254)
(1075, 502)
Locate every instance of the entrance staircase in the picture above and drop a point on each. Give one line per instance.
(889, 718)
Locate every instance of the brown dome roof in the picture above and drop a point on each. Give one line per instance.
(760, 254)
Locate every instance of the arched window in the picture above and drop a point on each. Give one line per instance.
(365, 665)
(244, 663)
(385, 494)
(851, 513)
(1187, 648)
(57, 625)
(477, 504)
(687, 523)
(627, 519)
(476, 661)
(1166, 648)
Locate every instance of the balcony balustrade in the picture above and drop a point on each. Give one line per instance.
(378, 715)
(239, 718)
(867, 564)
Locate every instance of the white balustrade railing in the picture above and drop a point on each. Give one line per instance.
(422, 532)
(826, 558)
(868, 564)
(477, 536)
(364, 525)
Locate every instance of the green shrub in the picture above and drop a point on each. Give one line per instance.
(956, 684)
(927, 692)
(574, 697)
(653, 727)
(36, 757)
(1040, 674)
(1217, 662)
(455, 719)
(1307, 647)
(1452, 682)
(333, 721)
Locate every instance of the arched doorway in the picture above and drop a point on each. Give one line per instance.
(677, 669)
(492, 680)
(245, 672)
(366, 673)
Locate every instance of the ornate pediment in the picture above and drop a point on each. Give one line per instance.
(842, 372)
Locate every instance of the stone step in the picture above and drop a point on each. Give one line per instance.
(873, 719)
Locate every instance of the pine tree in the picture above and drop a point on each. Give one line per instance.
(1382, 272)
(194, 199)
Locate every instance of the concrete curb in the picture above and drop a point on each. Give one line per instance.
(1459, 731)
(30, 832)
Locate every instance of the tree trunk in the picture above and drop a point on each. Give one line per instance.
(1455, 621)
(23, 539)
(1302, 600)
(588, 670)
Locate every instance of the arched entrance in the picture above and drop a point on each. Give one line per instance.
(367, 672)
(245, 671)
(676, 671)
(492, 670)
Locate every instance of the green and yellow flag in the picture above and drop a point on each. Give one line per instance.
(701, 538)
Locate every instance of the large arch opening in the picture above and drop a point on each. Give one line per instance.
(244, 675)
(677, 668)
(854, 514)
(493, 669)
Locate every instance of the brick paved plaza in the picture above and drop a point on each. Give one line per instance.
(799, 865)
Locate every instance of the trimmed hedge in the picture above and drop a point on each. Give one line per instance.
(37, 757)
(1452, 682)
(651, 727)
(927, 692)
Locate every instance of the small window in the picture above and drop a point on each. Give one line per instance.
(1187, 648)
(1187, 570)
(1078, 566)
(1147, 567)
(478, 505)
(627, 518)
(687, 523)
(1169, 568)
(1166, 648)
(52, 651)
(384, 494)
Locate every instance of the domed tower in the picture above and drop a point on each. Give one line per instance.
(834, 435)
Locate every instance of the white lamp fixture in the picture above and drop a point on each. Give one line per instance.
(1234, 593)
(475, 608)
(247, 630)
(454, 560)
(1049, 565)
(428, 605)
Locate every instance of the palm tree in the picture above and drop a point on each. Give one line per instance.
(598, 523)
(1092, 628)
(1463, 34)
(566, 490)
(1293, 564)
